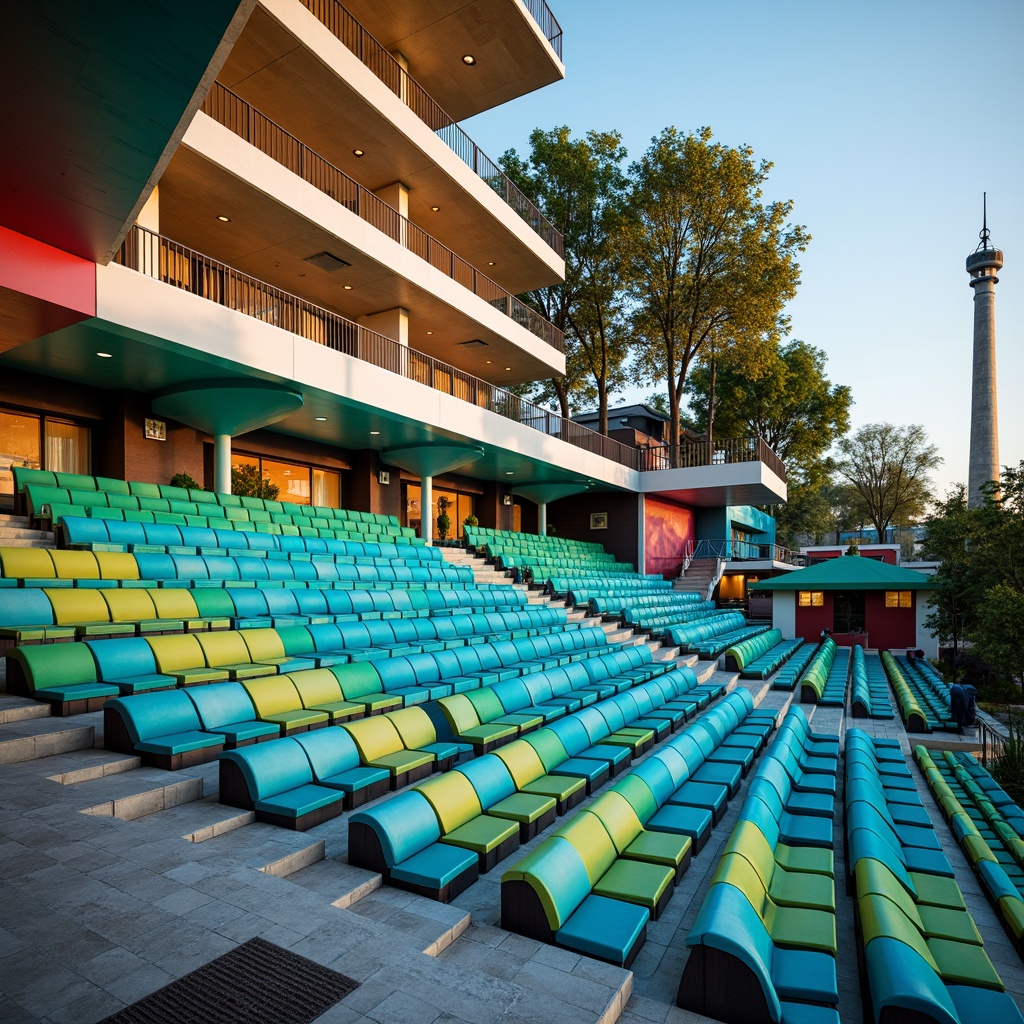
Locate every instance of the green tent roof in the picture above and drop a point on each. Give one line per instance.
(848, 572)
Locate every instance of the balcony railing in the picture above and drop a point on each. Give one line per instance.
(341, 24)
(744, 551)
(720, 452)
(246, 121)
(548, 24)
(184, 268)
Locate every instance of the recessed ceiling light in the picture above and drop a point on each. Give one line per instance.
(321, 419)
(430, 332)
(490, 263)
(348, 287)
(468, 59)
(104, 355)
(223, 219)
(435, 208)
(374, 433)
(489, 361)
(508, 472)
(508, 367)
(357, 152)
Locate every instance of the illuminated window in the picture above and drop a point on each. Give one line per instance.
(811, 598)
(897, 599)
(297, 484)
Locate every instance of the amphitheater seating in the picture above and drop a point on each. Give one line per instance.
(764, 942)
(870, 687)
(582, 892)
(921, 707)
(922, 952)
(986, 823)
(686, 636)
(788, 676)
(826, 678)
(742, 654)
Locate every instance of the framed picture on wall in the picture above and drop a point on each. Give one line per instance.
(599, 520)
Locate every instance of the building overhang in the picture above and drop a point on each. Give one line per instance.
(94, 107)
(512, 56)
(736, 483)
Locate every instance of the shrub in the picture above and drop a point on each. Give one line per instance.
(186, 481)
(471, 521)
(444, 521)
(247, 482)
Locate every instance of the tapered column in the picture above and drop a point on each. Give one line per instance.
(427, 509)
(222, 463)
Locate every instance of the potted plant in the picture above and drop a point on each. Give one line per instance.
(444, 521)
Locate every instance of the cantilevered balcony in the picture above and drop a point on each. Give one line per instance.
(184, 268)
(372, 54)
(234, 113)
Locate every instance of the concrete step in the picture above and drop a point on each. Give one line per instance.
(21, 709)
(34, 738)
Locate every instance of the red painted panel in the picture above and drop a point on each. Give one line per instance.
(890, 627)
(34, 268)
(811, 621)
(668, 528)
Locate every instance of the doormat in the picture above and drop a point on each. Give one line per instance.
(256, 983)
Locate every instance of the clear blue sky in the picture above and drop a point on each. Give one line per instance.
(885, 122)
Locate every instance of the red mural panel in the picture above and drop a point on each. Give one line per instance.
(668, 529)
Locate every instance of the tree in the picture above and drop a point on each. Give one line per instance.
(707, 262)
(981, 573)
(888, 467)
(579, 183)
(781, 394)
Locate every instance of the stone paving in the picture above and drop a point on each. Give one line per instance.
(116, 879)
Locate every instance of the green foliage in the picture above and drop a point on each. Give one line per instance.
(853, 549)
(247, 482)
(980, 596)
(780, 393)
(888, 467)
(186, 481)
(1008, 767)
(998, 631)
(444, 521)
(708, 264)
(579, 184)
(471, 521)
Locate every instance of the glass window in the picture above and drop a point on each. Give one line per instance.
(811, 598)
(19, 446)
(66, 446)
(298, 484)
(326, 488)
(461, 506)
(898, 599)
(292, 481)
(848, 612)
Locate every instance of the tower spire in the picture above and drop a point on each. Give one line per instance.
(983, 265)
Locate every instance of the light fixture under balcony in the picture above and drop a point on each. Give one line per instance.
(508, 367)
(223, 219)
(357, 152)
(327, 261)
(473, 343)
(430, 332)
(468, 59)
(490, 263)
(104, 355)
(321, 419)
(348, 287)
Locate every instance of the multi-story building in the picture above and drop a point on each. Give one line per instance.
(254, 232)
